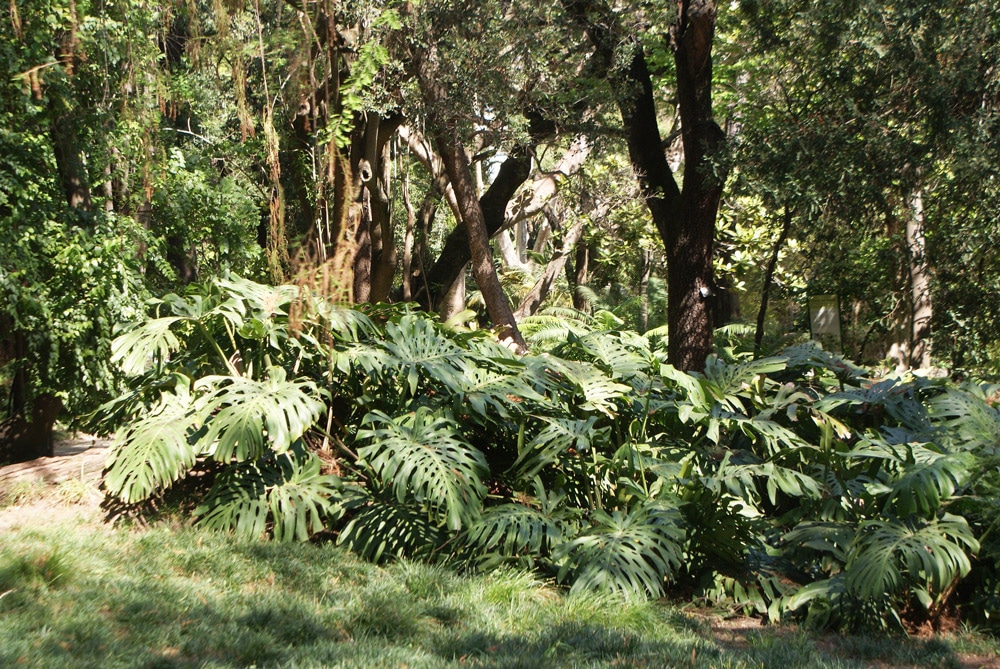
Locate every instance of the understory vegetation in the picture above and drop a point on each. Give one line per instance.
(793, 486)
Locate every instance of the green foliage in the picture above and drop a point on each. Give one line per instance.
(790, 485)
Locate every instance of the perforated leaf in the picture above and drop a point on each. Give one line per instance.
(425, 461)
(244, 417)
(154, 451)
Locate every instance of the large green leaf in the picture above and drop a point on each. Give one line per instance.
(151, 340)
(552, 442)
(286, 493)
(973, 423)
(385, 529)
(890, 555)
(425, 460)
(512, 532)
(633, 554)
(154, 451)
(421, 353)
(587, 382)
(244, 416)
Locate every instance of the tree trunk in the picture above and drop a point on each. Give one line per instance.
(765, 289)
(685, 221)
(920, 284)
(645, 270)
(455, 253)
(581, 276)
(555, 265)
(453, 300)
(363, 250)
(411, 219)
(456, 163)
(691, 236)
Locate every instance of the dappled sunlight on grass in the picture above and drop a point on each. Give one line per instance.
(169, 596)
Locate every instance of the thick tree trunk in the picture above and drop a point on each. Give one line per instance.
(453, 300)
(685, 221)
(384, 257)
(363, 250)
(28, 435)
(920, 284)
(691, 236)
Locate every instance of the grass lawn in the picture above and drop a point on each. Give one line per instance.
(77, 593)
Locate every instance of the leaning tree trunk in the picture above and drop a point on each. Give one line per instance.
(456, 163)
(554, 267)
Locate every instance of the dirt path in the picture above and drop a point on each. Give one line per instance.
(76, 456)
(56, 489)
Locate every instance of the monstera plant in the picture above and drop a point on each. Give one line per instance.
(788, 485)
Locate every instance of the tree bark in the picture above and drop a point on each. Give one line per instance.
(581, 275)
(456, 251)
(920, 284)
(645, 270)
(685, 221)
(473, 211)
(765, 289)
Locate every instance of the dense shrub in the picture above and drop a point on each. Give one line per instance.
(793, 484)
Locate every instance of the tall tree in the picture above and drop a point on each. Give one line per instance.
(684, 217)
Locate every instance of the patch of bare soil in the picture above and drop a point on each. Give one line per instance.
(57, 489)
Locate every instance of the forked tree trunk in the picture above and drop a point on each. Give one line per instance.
(685, 220)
